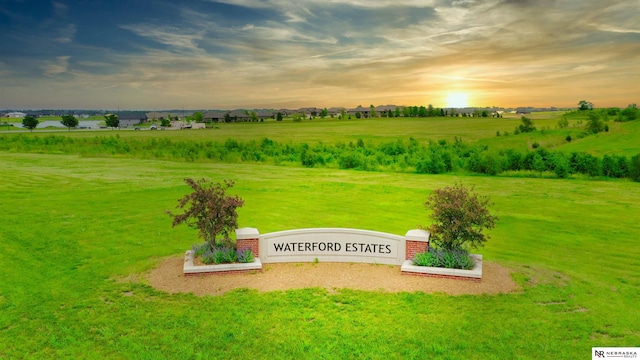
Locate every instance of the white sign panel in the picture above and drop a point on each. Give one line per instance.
(335, 245)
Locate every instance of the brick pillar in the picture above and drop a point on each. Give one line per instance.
(416, 241)
(248, 238)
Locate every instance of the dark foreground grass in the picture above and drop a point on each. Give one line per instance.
(77, 232)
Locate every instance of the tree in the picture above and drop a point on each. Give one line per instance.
(634, 168)
(430, 110)
(563, 122)
(372, 111)
(209, 210)
(561, 165)
(279, 117)
(227, 118)
(630, 113)
(165, 122)
(112, 120)
(527, 125)
(69, 121)
(594, 123)
(30, 122)
(585, 105)
(198, 117)
(459, 215)
(324, 112)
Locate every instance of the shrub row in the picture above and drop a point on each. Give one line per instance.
(221, 254)
(450, 259)
(400, 156)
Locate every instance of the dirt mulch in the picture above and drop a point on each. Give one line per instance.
(169, 277)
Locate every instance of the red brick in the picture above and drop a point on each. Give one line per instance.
(253, 244)
(222, 273)
(440, 276)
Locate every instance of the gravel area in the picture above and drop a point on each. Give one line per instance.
(274, 277)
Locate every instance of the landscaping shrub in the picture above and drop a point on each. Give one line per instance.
(245, 256)
(209, 210)
(459, 216)
(450, 259)
(200, 249)
(213, 256)
(219, 254)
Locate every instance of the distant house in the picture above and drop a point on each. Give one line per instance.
(131, 118)
(214, 116)
(15, 115)
(285, 112)
(383, 110)
(158, 115)
(364, 112)
(335, 111)
(239, 116)
(265, 114)
(309, 112)
(233, 115)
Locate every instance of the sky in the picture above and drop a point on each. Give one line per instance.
(201, 54)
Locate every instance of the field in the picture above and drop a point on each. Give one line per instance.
(623, 139)
(79, 233)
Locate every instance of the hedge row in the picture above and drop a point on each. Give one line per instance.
(399, 156)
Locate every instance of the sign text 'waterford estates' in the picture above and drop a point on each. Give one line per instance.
(334, 247)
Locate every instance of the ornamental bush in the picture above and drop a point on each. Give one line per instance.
(459, 216)
(451, 259)
(209, 210)
(245, 256)
(218, 254)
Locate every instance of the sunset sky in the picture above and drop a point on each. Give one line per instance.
(166, 54)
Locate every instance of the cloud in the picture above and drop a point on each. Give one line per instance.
(333, 52)
(66, 34)
(614, 29)
(168, 35)
(60, 66)
(60, 9)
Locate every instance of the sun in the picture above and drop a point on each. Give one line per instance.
(457, 100)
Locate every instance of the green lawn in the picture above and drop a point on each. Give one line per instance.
(622, 139)
(77, 232)
(334, 130)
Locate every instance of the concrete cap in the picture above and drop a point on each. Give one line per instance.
(247, 233)
(417, 235)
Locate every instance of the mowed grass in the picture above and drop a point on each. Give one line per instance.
(622, 139)
(77, 233)
(331, 130)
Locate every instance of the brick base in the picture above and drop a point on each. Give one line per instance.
(228, 272)
(414, 247)
(253, 244)
(438, 276)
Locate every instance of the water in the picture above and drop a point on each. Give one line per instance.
(85, 124)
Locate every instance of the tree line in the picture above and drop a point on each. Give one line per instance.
(436, 157)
